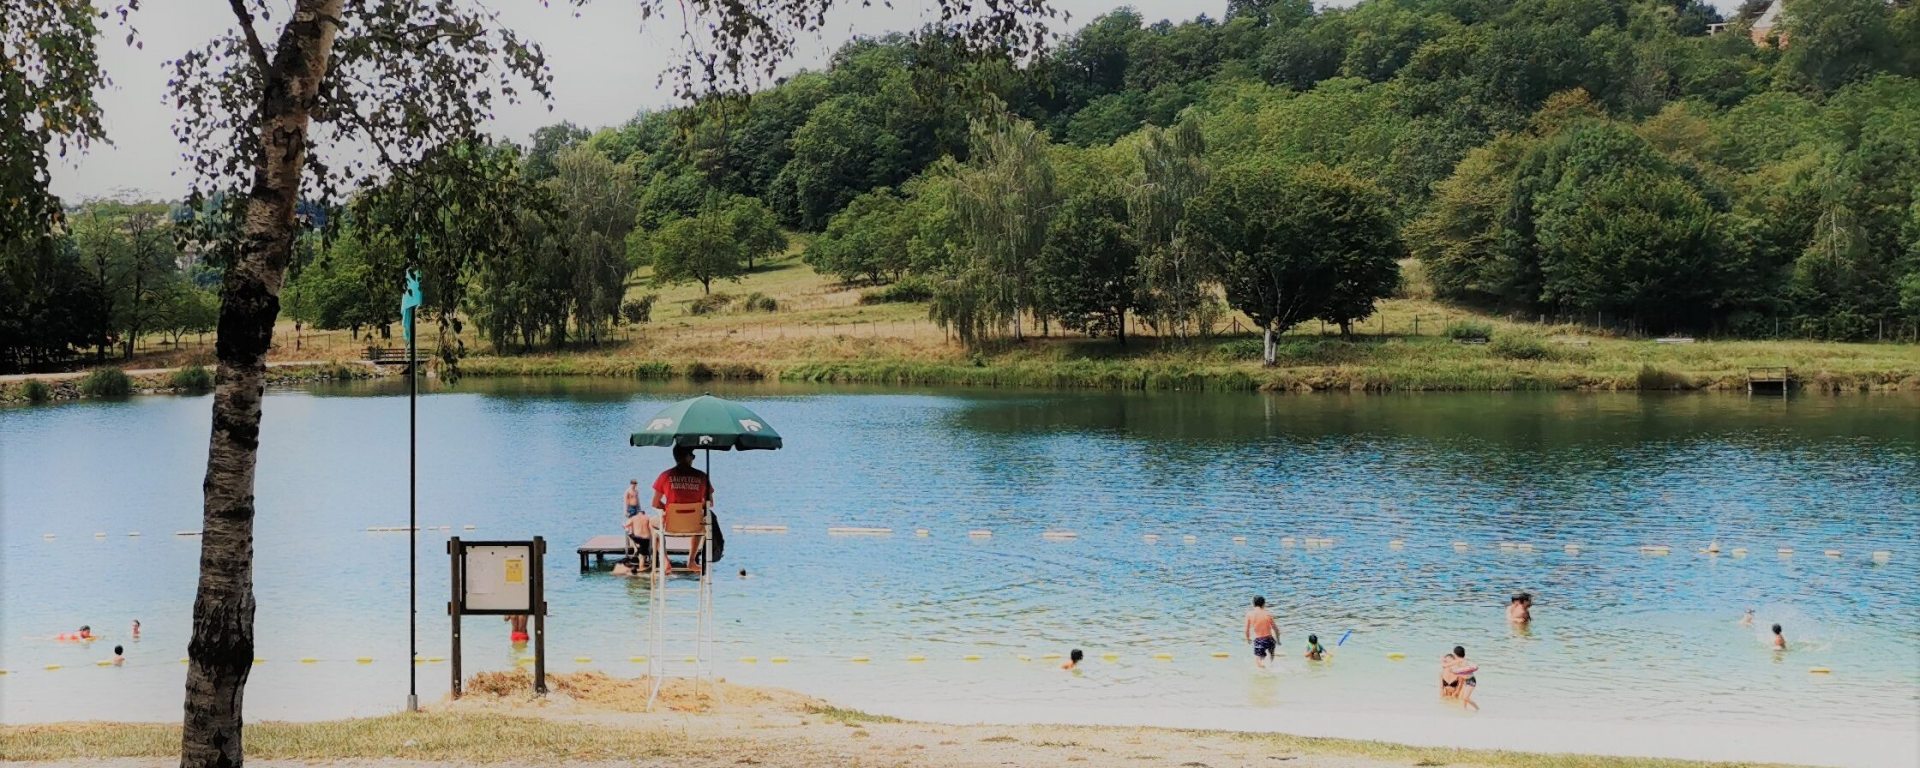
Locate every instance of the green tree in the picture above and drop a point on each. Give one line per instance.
(1636, 243)
(870, 240)
(1173, 173)
(1003, 200)
(597, 199)
(1088, 273)
(756, 232)
(1291, 244)
(1829, 43)
(699, 248)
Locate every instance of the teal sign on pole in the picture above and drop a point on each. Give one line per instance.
(409, 302)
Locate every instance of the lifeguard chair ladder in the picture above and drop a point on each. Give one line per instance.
(680, 612)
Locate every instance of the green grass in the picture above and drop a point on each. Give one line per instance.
(844, 716)
(434, 736)
(36, 391)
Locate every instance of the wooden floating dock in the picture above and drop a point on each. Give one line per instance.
(1769, 381)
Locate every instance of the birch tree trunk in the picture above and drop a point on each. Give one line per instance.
(221, 651)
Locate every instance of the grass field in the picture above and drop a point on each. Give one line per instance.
(821, 332)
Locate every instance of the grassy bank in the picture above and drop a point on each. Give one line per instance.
(821, 331)
(190, 379)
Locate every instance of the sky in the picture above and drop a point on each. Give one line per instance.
(605, 67)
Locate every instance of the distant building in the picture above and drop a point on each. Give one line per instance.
(1763, 27)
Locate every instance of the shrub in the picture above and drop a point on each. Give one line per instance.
(1461, 330)
(192, 378)
(639, 310)
(908, 290)
(1659, 378)
(36, 391)
(709, 304)
(1521, 346)
(759, 302)
(1241, 349)
(106, 382)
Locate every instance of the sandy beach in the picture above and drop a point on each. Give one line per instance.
(594, 720)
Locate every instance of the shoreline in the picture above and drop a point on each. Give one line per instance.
(1126, 374)
(595, 718)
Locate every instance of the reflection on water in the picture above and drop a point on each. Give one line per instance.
(1619, 637)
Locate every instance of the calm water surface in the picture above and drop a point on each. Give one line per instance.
(1643, 651)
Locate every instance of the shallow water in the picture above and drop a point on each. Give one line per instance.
(1643, 650)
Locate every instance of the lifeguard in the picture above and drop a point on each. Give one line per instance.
(682, 484)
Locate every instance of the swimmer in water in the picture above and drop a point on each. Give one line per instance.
(1261, 632)
(1520, 609)
(1464, 679)
(1314, 651)
(1073, 659)
(518, 634)
(1779, 640)
(1449, 682)
(83, 635)
(1747, 620)
(119, 656)
(136, 629)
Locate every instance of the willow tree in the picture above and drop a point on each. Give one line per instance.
(1003, 199)
(261, 104)
(1173, 172)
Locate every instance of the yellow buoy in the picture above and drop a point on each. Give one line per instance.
(636, 659)
(690, 660)
(970, 657)
(916, 658)
(364, 660)
(1024, 657)
(1396, 656)
(1050, 656)
(1820, 671)
(103, 663)
(778, 659)
(583, 659)
(1110, 656)
(436, 659)
(52, 667)
(259, 661)
(749, 660)
(1222, 655)
(308, 659)
(185, 660)
(859, 659)
(1163, 657)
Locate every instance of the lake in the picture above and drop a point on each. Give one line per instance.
(1630, 652)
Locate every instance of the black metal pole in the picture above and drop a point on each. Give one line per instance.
(413, 520)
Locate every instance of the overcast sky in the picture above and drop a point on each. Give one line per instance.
(605, 68)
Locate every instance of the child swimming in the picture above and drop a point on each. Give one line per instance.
(1779, 640)
(1073, 659)
(1314, 651)
(119, 656)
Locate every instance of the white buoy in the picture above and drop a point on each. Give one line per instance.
(1833, 553)
(1459, 546)
(981, 533)
(1396, 544)
(1059, 535)
(1525, 547)
(1189, 538)
(1738, 552)
(1572, 549)
(1883, 555)
(1785, 552)
(858, 531)
(99, 534)
(922, 532)
(1286, 541)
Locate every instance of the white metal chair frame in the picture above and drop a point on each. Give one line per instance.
(660, 613)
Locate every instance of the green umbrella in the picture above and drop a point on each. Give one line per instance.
(708, 423)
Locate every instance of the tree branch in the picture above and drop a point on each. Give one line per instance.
(254, 49)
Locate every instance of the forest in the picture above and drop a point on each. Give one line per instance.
(1645, 166)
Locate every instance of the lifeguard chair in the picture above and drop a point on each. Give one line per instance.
(680, 618)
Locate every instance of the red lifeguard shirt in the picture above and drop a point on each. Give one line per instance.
(683, 486)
